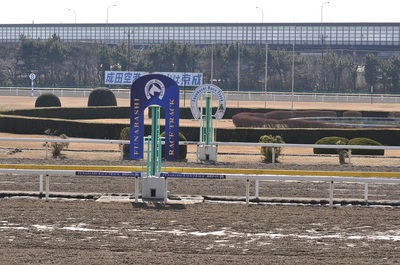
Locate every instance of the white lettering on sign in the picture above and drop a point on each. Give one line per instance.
(127, 78)
(199, 91)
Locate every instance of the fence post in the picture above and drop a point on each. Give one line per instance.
(47, 186)
(366, 193)
(46, 149)
(257, 189)
(166, 191)
(247, 191)
(331, 194)
(273, 155)
(349, 154)
(40, 185)
(136, 189)
(121, 152)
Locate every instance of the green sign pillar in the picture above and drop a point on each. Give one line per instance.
(154, 145)
(208, 130)
(206, 150)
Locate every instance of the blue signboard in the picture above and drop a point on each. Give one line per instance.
(154, 89)
(191, 176)
(128, 77)
(108, 174)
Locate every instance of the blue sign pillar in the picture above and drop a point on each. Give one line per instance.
(154, 89)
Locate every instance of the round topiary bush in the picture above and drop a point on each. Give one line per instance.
(102, 97)
(266, 152)
(125, 135)
(331, 140)
(366, 141)
(47, 100)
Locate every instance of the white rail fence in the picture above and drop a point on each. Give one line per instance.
(329, 177)
(48, 173)
(367, 179)
(120, 143)
(349, 148)
(230, 95)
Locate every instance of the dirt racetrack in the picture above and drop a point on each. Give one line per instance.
(87, 232)
(103, 231)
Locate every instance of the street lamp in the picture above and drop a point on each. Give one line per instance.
(322, 81)
(292, 75)
(107, 11)
(129, 48)
(108, 29)
(74, 13)
(266, 74)
(262, 14)
(212, 63)
(238, 73)
(322, 16)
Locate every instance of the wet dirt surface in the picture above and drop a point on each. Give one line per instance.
(60, 231)
(88, 232)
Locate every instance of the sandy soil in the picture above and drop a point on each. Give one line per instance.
(89, 231)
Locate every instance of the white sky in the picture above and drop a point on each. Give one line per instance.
(203, 11)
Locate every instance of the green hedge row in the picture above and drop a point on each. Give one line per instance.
(308, 135)
(282, 119)
(74, 128)
(36, 121)
(334, 140)
(124, 112)
(73, 113)
(185, 112)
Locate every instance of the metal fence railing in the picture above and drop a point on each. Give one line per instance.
(230, 95)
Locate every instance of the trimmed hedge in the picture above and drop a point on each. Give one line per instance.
(125, 135)
(330, 140)
(14, 122)
(47, 100)
(86, 113)
(102, 97)
(366, 141)
(124, 112)
(355, 141)
(266, 152)
(282, 119)
(185, 112)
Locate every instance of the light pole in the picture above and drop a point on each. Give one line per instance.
(266, 74)
(129, 48)
(238, 73)
(108, 29)
(292, 76)
(107, 11)
(212, 63)
(262, 14)
(322, 47)
(322, 34)
(74, 13)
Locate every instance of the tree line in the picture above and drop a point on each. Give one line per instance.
(235, 66)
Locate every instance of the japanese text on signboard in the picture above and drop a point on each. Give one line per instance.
(127, 78)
